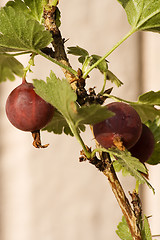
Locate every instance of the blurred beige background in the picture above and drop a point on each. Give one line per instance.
(46, 194)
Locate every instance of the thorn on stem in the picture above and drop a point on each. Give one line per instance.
(101, 165)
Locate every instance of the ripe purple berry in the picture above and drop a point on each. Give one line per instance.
(26, 110)
(143, 149)
(125, 126)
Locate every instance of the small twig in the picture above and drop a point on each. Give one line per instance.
(123, 202)
(156, 235)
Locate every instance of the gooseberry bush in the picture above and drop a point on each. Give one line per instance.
(127, 134)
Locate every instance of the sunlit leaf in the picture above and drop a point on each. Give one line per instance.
(123, 230)
(20, 33)
(143, 14)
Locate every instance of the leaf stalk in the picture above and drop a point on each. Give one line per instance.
(108, 53)
(78, 137)
(15, 54)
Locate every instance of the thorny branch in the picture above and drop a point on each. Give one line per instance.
(123, 202)
(58, 41)
(132, 215)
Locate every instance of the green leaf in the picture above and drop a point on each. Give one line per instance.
(129, 164)
(145, 105)
(36, 7)
(33, 8)
(113, 78)
(78, 51)
(146, 232)
(155, 128)
(20, 33)
(58, 125)
(84, 58)
(143, 14)
(92, 114)
(19, 5)
(123, 230)
(117, 167)
(145, 111)
(52, 2)
(102, 66)
(150, 98)
(60, 94)
(127, 168)
(9, 66)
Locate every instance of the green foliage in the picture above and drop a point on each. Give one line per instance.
(146, 232)
(113, 78)
(18, 32)
(60, 94)
(122, 160)
(9, 66)
(146, 106)
(51, 3)
(84, 58)
(155, 128)
(92, 114)
(124, 233)
(58, 125)
(32, 8)
(19, 5)
(123, 230)
(151, 98)
(36, 8)
(143, 14)
(88, 60)
(103, 66)
(78, 51)
(129, 165)
(147, 112)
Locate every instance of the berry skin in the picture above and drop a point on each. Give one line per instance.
(26, 110)
(124, 125)
(143, 149)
